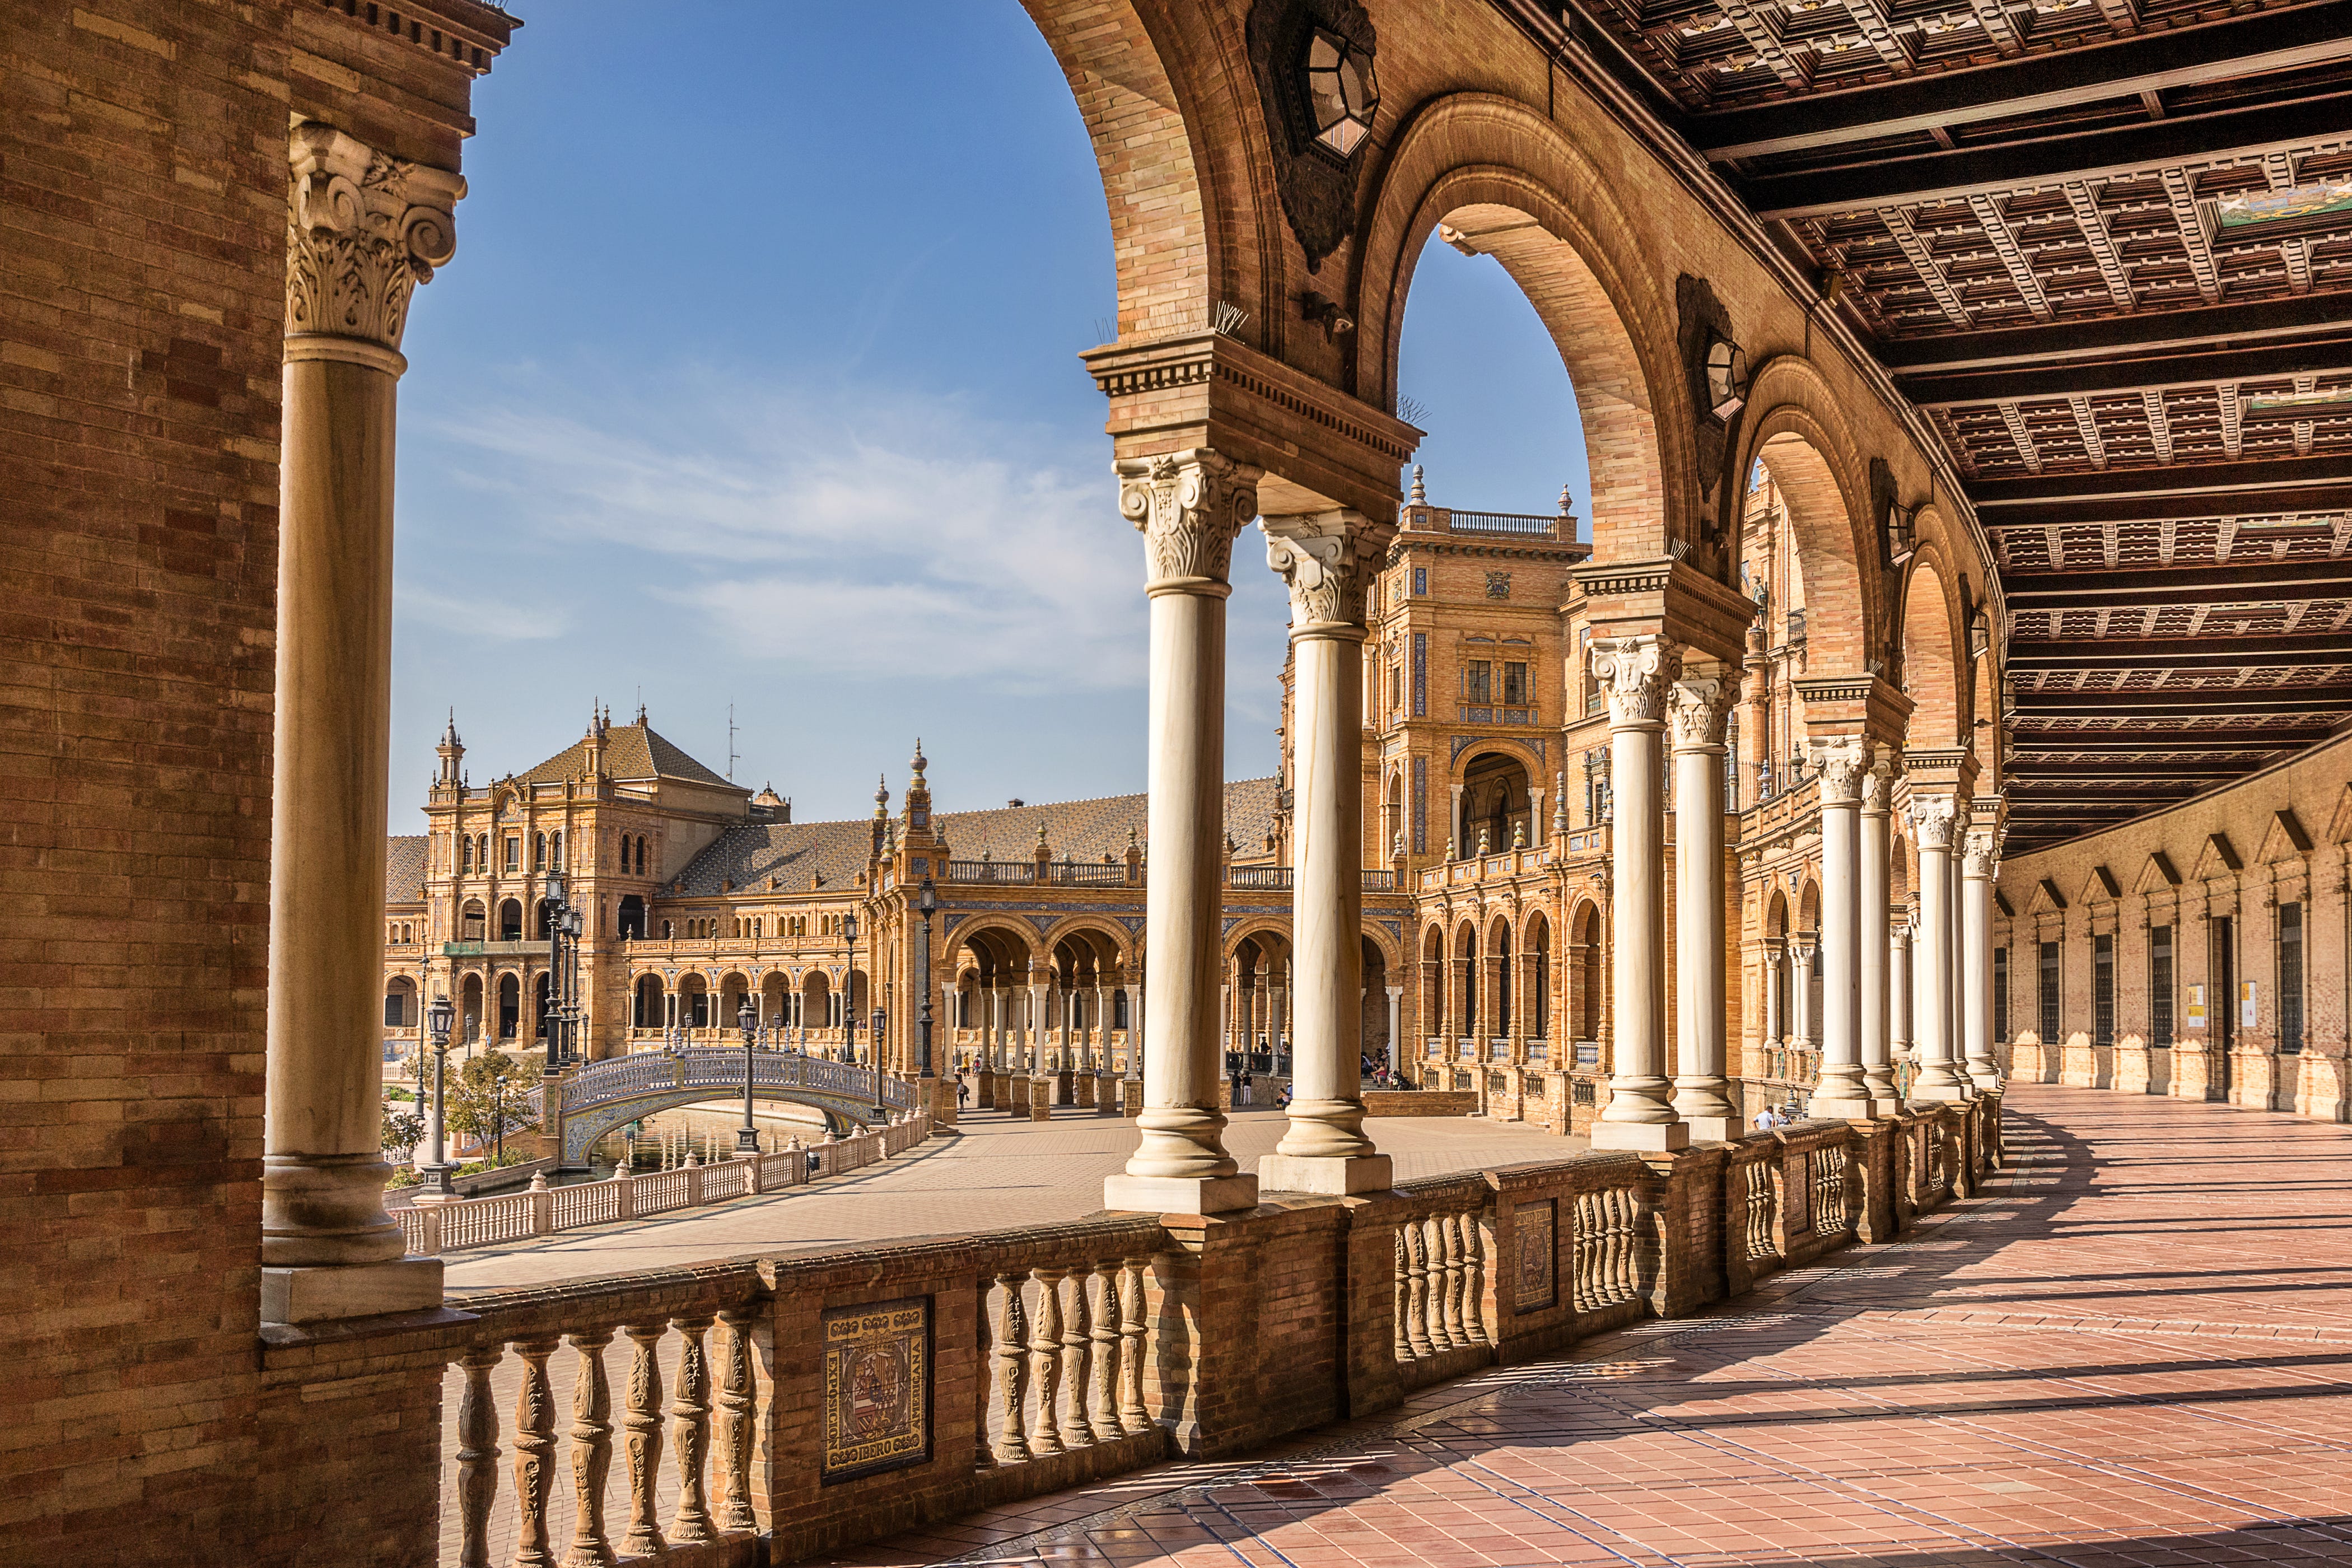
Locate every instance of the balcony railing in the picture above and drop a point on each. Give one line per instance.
(1272, 877)
(1526, 525)
(494, 950)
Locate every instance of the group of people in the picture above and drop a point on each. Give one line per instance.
(1773, 1117)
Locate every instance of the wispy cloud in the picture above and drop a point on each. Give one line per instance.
(850, 533)
(480, 618)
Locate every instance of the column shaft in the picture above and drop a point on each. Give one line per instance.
(1931, 821)
(1697, 711)
(1636, 672)
(1189, 507)
(1842, 1093)
(1877, 1061)
(1978, 862)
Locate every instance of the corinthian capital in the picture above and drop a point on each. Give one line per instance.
(1696, 710)
(1328, 560)
(363, 231)
(1635, 672)
(1188, 506)
(1931, 817)
(1841, 763)
(1980, 853)
(1878, 779)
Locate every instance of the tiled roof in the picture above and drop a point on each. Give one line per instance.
(631, 751)
(747, 854)
(403, 870)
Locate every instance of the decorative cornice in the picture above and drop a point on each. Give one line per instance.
(1213, 360)
(1188, 506)
(363, 231)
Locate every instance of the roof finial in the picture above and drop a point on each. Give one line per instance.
(1419, 492)
(918, 762)
(882, 794)
(1564, 508)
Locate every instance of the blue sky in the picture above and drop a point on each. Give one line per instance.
(754, 381)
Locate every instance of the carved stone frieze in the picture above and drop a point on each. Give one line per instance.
(1696, 710)
(1635, 674)
(1188, 506)
(363, 231)
(1328, 560)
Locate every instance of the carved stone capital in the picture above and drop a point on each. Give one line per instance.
(1931, 817)
(1840, 764)
(1635, 673)
(1980, 853)
(363, 231)
(1696, 710)
(1878, 779)
(1188, 506)
(1327, 559)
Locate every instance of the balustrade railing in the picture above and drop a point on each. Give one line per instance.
(1604, 1270)
(1258, 876)
(1440, 1279)
(1755, 1188)
(1524, 524)
(431, 1230)
(1064, 1344)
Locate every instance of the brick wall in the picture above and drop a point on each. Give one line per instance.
(141, 211)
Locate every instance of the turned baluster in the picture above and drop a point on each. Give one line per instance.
(478, 1454)
(1628, 1214)
(1473, 1278)
(1077, 1355)
(534, 1457)
(736, 1394)
(1132, 1417)
(591, 1449)
(1102, 1386)
(642, 1420)
(690, 1433)
(1449, 1241)
(1013, 1371)
(1045, 1361)
(1402, 1268)
(1421, 1321)
(984, 1350)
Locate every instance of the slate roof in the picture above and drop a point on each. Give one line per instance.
(631, 751)
(747, 854)
(404, 868)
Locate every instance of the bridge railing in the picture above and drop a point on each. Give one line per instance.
(433, 1230)
(720, 1069)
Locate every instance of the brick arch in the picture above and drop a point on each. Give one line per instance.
(1255, 926)
(1094, 929)
(1803, 441)
(1478, 163)
(1934, 632)
(1160, 105)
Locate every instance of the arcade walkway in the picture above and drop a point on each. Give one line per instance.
(2134, 1348)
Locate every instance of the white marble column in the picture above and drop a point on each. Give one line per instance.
(1188, 506)
(1396, 995)
(1456, 847)
(1038, 1018)
(1636, 673)
(1932, 819)
(1327, 561)
(1776, 959)
(1801, 993)
(1695, 711)
(1877, 1059)
(1135, 1020)
(1980, 862)
(363, 232)
(1898, 981)
(1840, 766)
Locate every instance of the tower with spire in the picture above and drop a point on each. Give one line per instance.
(451, 780)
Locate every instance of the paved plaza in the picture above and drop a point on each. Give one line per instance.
(2135, 1348)
(991, 1173)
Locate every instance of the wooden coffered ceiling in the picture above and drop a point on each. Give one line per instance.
(2105, 246)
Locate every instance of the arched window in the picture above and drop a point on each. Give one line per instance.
(632, 915)
(509, 1007)
(511, 919)
(539, 1012)
(482, 853)
(666, 930)
(470, 922)
(464, 854)
(555, 849)
(641, 855)
(539, 851)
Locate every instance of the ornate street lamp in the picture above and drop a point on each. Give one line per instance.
(880, 1111)
(747, 1018)
(433, 1178)
(927, 904)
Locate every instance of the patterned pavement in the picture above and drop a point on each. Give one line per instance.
(992, 1173)
(2135, 1349)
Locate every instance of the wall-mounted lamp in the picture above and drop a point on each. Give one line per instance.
(1979, 633)
(1902, 533)
(1327, 314)
(1727, 377)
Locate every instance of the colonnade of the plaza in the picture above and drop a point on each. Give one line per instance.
(1042, 1025)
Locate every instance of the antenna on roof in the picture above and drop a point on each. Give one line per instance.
(731, 753)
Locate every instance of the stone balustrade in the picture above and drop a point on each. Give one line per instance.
(767, 1408)
(434, 1229)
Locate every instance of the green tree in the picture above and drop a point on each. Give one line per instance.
(488, 1094)
(403, 1131)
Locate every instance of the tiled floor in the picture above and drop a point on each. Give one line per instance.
(2134, 1349)
(993, 1172)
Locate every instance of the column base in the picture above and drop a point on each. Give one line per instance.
(1844, 1108)
(1882, 1109)
(349, 1290)
(1180, 1194)
(1644, 1137)
(1329, 1175)
(1714, 1129)
(1941, 1093)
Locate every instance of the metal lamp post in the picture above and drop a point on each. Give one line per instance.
(879, 1019)
(435, 1176)
(849, 990)
(747, 1018)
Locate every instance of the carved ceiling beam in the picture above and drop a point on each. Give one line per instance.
(2190, 330)
(2228, 50)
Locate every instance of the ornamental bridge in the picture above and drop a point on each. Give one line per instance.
(605, 1095)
